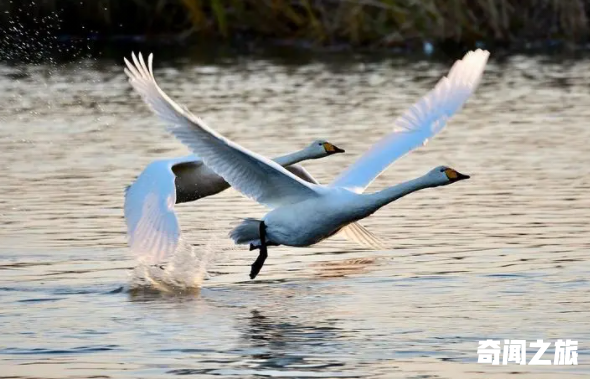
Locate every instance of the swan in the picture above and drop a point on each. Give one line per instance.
(153, 230)
(303, 213)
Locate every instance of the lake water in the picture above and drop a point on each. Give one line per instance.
(501, 256)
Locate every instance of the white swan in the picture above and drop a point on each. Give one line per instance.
(304, 213)
(153, 230)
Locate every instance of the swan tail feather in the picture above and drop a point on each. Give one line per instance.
(247, 232)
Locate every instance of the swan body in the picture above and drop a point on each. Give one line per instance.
(305, 213)
(315, 219)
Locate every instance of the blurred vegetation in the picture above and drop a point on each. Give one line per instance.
(369, 23)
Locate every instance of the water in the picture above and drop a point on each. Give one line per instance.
(503, 255)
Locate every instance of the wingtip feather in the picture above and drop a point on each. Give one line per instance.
(425, 118)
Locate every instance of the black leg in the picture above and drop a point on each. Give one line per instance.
(257, 265)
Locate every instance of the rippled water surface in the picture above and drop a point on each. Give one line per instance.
(503, 255)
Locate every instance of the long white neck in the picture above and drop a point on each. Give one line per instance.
(293, 158)
(388, 195)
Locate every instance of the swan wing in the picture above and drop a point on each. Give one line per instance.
(355, 232)
(251, 174)
(153, 231)
(301, 173)
(421, 122)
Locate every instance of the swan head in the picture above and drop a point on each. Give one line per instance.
(321, 148)
(443, 175)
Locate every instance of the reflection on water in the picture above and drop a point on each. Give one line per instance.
(502, 255)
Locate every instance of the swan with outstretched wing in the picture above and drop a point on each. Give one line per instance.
(305, 213)
(153, 230)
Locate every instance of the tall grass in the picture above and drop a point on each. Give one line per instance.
(322, 22)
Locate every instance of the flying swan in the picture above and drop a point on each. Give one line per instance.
(304, 213)
(153, 230)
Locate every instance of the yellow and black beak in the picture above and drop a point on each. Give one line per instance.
(455, 176)
(332, 149)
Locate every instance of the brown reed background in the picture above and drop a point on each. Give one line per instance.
(373, 23)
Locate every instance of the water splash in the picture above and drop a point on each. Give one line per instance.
(185, 271)
(26, 37)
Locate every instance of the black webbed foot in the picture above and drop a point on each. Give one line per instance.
(259, 262)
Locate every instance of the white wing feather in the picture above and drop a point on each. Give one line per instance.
(355, 232)
(153, 231)
(302, 173)
(253, 175)
(421, 122)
